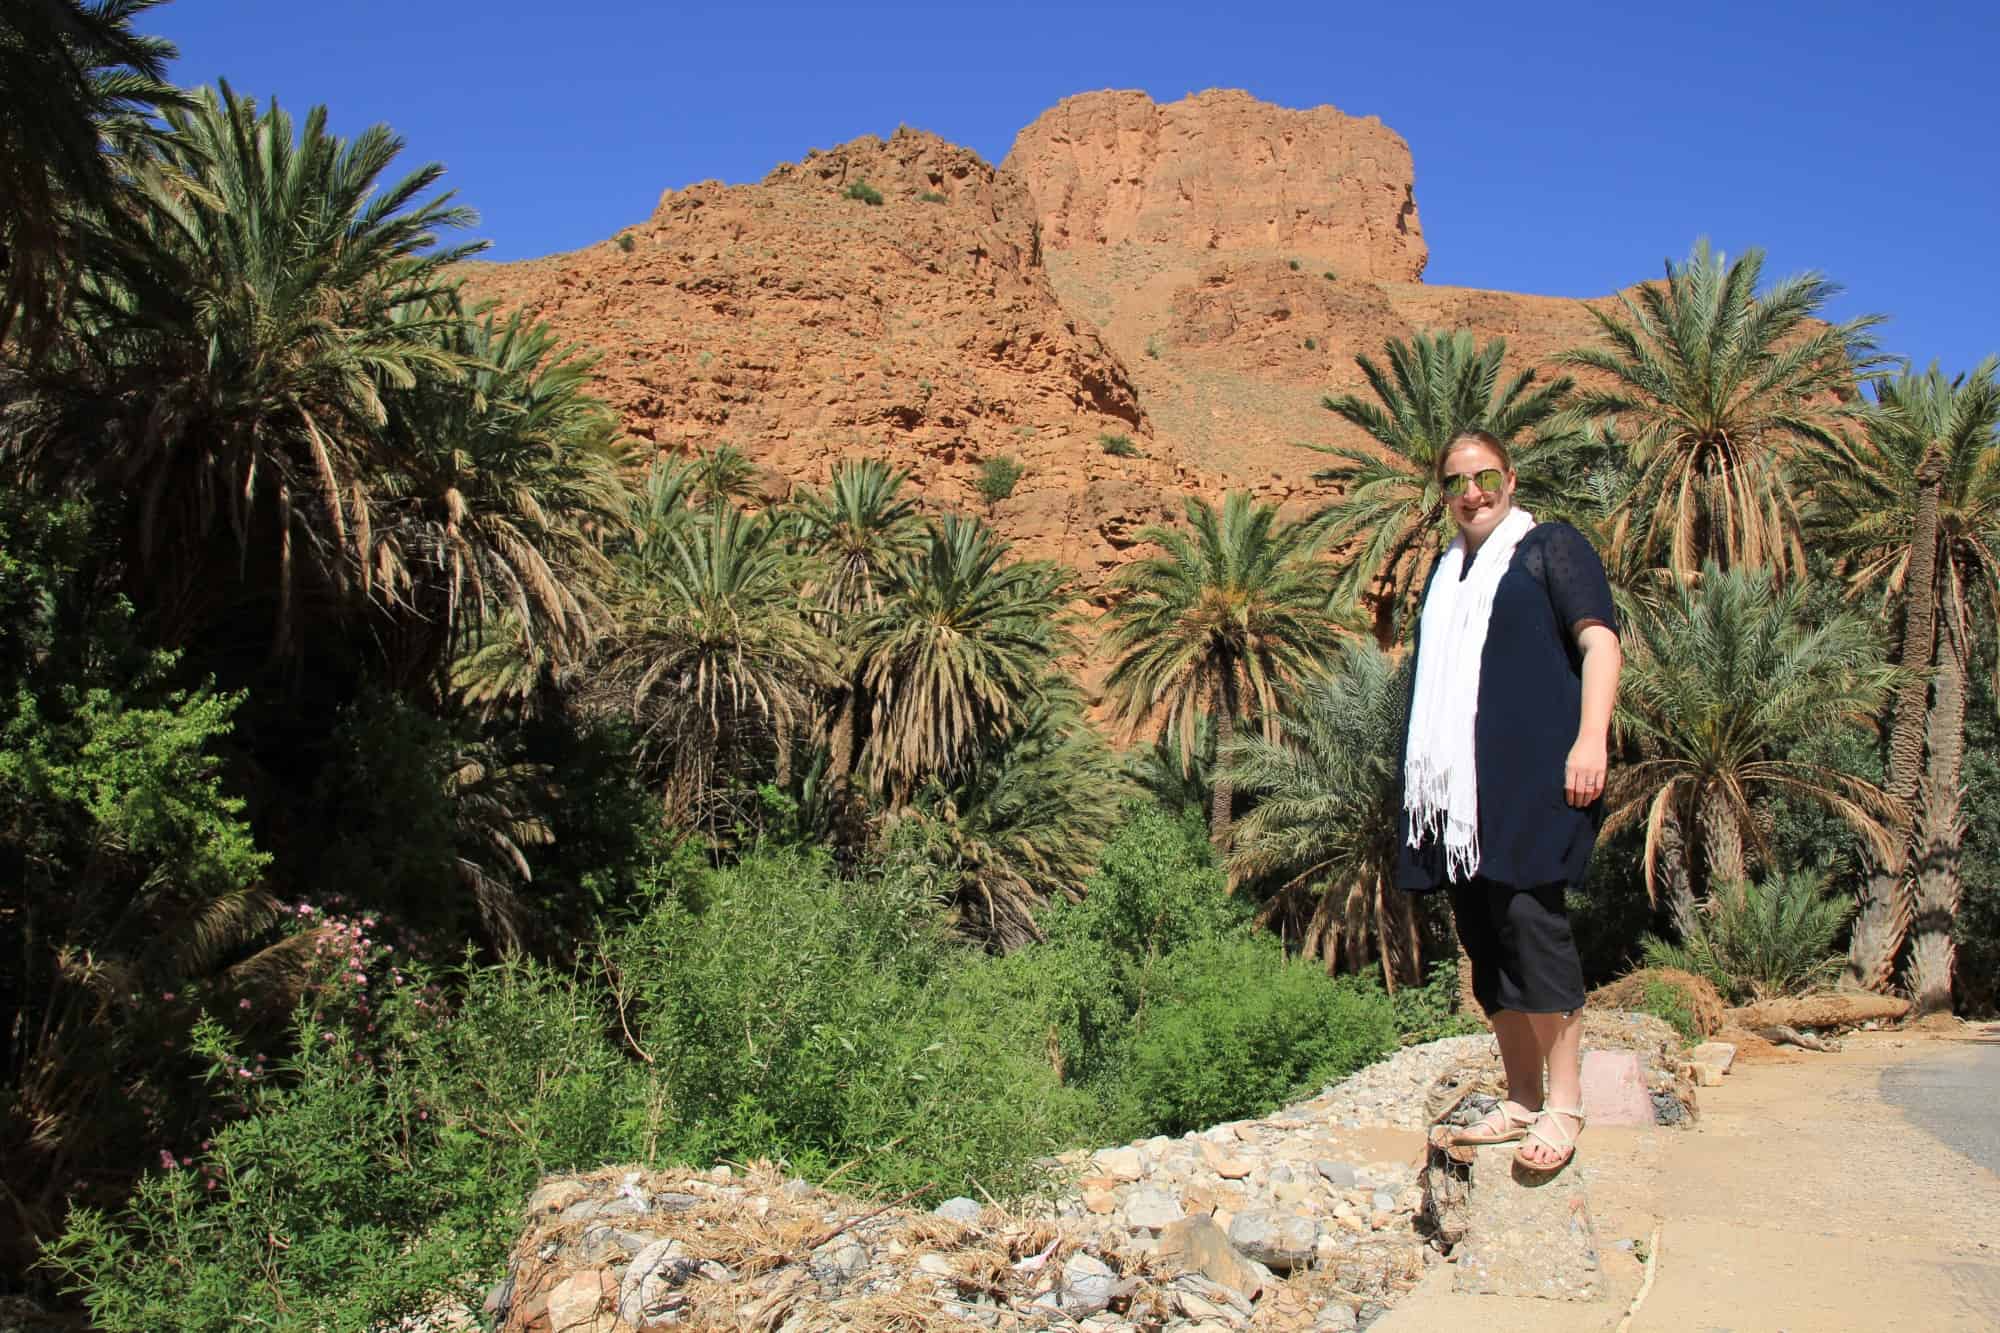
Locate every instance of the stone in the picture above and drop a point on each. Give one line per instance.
(553, 1196)
(1383, 1201)
(1281, 1240)
(1149, 1209)
(673, 1201)
(1120, 1163)
(961, 1210)
(1337, 1174)
(648, 1288)
(1100, 1201)
(1702, 1075)
(1088, 1283)
(578, 1304)
(1199, 1245)
(1335, 1318)
(936, 1265)
(1614, 1089)
(1527, 1234)
(1721, 1054)
(1223, 1164)
(602, 1241)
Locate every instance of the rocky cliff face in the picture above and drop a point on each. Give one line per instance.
(1194, 277)
(1222, 171)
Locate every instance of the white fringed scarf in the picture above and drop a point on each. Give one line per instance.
(1440, 781)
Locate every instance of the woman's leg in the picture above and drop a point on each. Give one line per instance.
(1558, 1039)
(1522, 1054)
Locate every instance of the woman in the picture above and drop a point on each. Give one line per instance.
(1504, 760)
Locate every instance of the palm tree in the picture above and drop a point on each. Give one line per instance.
(1176, 783)
(1716, 388)
(715, 653)
(1911, 508)
(1722, 682)
(1234, 609)
(955, 654)
(490, 493)
(722, 475)
(1328, 790)
(1025, 822)
(247, 316)
(1390, 517)
(75, 78)
(859, 530)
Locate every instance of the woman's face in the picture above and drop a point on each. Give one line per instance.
(1477, 511)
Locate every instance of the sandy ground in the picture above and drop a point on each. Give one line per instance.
(1820, 1192)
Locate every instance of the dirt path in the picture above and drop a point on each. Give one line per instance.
(1808, 1199)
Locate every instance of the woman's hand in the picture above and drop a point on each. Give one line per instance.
(1583, 775)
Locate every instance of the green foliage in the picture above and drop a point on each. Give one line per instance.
(931, 197)
(1119, 446)
(998, 477)
(1231, 1028)
(1330, 275)
(378, 1169)
(793, 1014)
(1759, 938)
(1156, 890)
(1312, 345)
(1292, 264)
(1430, 1012)
(1670, 1004)
(1153, 346)
(625, 241)
(863, 191)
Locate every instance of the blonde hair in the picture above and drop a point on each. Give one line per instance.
(1482, 438)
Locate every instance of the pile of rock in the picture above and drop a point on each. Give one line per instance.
(1307, 1220)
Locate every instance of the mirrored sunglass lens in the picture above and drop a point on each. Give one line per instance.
(1489, 479)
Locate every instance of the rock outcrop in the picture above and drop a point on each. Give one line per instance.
(803, 324)
(1222, 171)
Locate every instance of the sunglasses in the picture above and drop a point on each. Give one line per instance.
(1490, 480)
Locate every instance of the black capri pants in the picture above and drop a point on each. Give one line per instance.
(1523, 954)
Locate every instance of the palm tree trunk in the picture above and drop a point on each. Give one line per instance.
(1721, 841)
(1674, 875)
(1885, 896)
(1941, 826)
(1224, 797)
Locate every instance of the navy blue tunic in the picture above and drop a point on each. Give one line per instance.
(1530, 698)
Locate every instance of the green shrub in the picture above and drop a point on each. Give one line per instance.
(792, 1014)
(932, 197)
(1671, 1005)
(1119, 446)
(376, 1173)
(1232, 1028)
(1292, 264)
(625, 241)
(1156, 890)
(865, 192)
(1428, 1012)
(1312, 344)
(1759, 938)
(1329, 275)
(1153, 346)
(997, 478)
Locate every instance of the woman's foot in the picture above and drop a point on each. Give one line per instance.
(1506, 1123)
(1551, 1142)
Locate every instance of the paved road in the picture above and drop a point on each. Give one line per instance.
(1953, 1094)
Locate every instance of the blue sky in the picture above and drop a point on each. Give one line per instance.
(1559, 149)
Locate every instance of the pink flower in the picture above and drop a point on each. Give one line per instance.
(167, 996)
(243, 1004)
(166, 1159)
(208, 1184)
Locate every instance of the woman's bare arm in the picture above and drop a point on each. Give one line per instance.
(1583, 779)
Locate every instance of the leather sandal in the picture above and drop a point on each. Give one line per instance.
(1509, 1122)
(1553, 1134)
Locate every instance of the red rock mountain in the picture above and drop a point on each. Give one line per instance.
(1193, 276)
